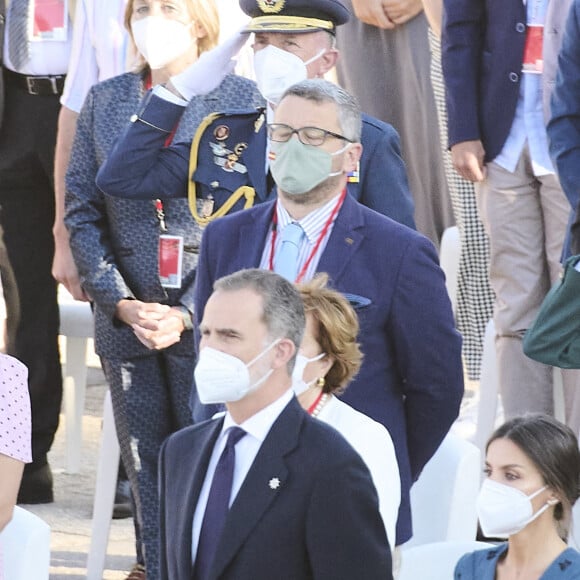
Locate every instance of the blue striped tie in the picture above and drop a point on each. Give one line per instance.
(18, 32)
(286, 262)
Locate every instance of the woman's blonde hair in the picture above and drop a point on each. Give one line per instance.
(336, 331)
(203, 12)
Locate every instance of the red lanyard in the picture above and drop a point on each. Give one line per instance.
(321, 237)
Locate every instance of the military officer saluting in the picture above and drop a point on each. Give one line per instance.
(225, 168)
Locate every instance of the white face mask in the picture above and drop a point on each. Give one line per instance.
(161, 40)
(223, 378)
(276, 70)
(298, 384)
(504, 510)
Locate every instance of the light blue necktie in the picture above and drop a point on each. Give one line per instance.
(18, 33)
(286, 261)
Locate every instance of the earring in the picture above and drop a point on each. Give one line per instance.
(553, 501)
(320, 382)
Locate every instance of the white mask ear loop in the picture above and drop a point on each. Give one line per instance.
(543, 508)
(342, 150)
(268, 348)
(315, 57)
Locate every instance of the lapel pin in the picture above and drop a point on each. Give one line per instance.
(349, 241)
(274, 483)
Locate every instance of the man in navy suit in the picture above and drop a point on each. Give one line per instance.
(295, 39)
(411, 379)
(499, 63)
(564, 126)
(301, 501)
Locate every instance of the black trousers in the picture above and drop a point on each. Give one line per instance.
(27, 142)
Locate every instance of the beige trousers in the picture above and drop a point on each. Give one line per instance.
(525, 217)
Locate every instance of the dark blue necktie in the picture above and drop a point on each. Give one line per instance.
(217, 506)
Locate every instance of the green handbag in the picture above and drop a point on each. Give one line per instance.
(554, 337)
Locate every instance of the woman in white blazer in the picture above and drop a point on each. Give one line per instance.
(328, 360)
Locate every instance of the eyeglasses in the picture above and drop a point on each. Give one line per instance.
(307, 135)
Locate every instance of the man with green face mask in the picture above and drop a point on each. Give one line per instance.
(389, 273)
(294, 40)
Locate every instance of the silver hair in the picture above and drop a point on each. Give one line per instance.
(283, 310)
(322, 91)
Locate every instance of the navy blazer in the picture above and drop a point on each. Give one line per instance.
(411, 379)
(140, 166)
(482, 47)
(564, 126)
(321, 523)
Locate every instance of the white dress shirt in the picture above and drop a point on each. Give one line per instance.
(529, 123)
(373, 443)
(100, 48)
(257, 428)
(312, 224)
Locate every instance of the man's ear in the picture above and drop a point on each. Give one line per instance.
(351, 157)
(285, 350)
(327, 62)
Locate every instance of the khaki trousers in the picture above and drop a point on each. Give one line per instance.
(525, 217)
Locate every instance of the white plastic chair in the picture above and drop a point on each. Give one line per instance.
(104, 493)
(489, 391)
(76, 324)
(443, 498)
(449, 255)
(25, 547)
(435, 561)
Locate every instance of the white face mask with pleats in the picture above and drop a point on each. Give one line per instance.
(504, 510)
(224, 378)
(161, 40)
(277, 70)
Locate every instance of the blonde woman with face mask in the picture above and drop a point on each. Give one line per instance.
(532, 481)
(137, 259)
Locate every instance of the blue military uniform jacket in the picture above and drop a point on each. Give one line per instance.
(139, 166)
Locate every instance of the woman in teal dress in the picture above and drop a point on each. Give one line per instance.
(532, 481)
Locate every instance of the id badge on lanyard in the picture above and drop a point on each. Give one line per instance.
(170, 260)
(534, 46)
(533, 50)
(48, 20)
(170, 252)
